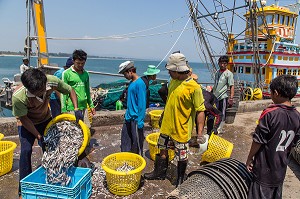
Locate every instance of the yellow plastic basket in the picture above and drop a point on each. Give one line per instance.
(153, 149)
(1, 136)
(6, 156)
(154, 117)
(218, 148)
(69, 117)
(123, 183)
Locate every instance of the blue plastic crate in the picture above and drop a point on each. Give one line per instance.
(34, 185)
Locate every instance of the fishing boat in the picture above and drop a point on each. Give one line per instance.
(258, 38)
(262, 48)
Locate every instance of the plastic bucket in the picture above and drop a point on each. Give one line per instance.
(218, 148)
(230, 115)
(69, 117)
(153, 149)
(154, 117)
(123, 183)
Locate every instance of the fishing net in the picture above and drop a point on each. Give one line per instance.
(106, 95)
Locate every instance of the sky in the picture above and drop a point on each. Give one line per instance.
(103, 18)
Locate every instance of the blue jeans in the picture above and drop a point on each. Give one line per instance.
(132, 138)
(27, 140)
(55, 107)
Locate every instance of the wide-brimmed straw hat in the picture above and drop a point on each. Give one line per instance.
(151, 70)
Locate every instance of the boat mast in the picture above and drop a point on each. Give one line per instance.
(254, 33)
(202, 37)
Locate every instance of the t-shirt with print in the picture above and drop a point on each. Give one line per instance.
(81, 84)
(184, 100)
(36, 109)
(278, 130)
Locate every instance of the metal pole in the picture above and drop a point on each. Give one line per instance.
(28, 48)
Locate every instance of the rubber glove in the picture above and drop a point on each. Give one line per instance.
(78, 115)
(201, 139)
(214, 130)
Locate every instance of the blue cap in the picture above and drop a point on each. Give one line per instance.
(69, 62)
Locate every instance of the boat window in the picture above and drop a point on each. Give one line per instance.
(296, 58)
(294, 72)
(249, 57)
(235, 57)
(242, 47)
(241, 69)
(263, 71)
(279, 57)
(292, 21)
(248, 70)
(280, 72)
(234, 69)
(285, 58)
(284, 71)
(269, 19)
(281, 19)
(289, 72)
(298, 71)
(287, 20)
(264, 57)
(276, 20)
(290, 58)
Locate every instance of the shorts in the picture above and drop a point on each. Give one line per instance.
(167, 143)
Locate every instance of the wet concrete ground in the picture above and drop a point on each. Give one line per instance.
(106, 140)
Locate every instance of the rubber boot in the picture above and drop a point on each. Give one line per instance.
(160, 169)
(181, 167)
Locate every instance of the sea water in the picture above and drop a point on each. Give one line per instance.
(10, 65)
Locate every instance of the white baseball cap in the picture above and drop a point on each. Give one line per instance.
(177, 62)
(125, 66)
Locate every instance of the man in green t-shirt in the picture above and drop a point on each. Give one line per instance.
(30, 105)
(79, 80)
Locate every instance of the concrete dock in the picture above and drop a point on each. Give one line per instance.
(106, 140)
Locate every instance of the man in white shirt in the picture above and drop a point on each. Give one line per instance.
(25, 65)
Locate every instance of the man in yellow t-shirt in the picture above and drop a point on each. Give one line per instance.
(185, 104)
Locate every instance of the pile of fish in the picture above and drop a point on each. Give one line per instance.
(63, 141)
(125, 167)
